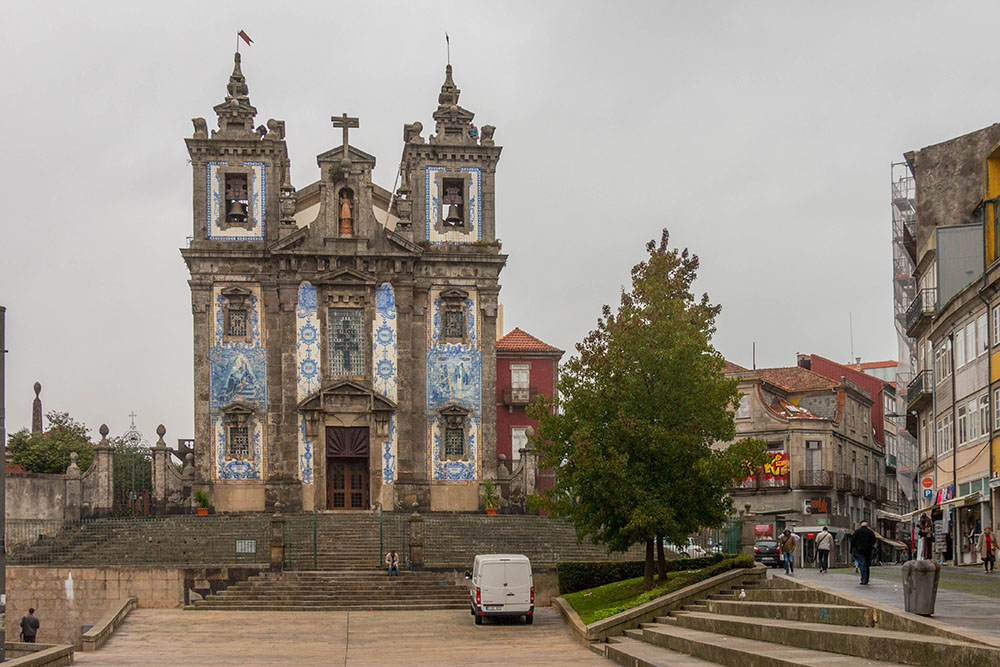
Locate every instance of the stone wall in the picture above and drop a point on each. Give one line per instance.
(64, 599)
(34, 496)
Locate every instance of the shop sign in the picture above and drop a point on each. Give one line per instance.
(819, 505)
(763, 531)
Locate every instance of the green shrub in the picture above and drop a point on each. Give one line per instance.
(579, 575)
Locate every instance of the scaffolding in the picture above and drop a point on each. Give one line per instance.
(904, 290)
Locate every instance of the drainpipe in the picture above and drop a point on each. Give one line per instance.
(989, 358)
(955, 529)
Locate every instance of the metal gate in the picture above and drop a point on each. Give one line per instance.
(132, 474)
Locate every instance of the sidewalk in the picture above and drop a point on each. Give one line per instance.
(978, 613)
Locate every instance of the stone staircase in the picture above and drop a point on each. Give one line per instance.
(339, 591)
(779, 623)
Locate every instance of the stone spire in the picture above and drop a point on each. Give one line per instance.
(236, 114)
(36, 410)
(454, 124)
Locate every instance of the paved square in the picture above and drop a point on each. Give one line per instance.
(176, 637)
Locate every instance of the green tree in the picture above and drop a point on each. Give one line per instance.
(642, 403)
(48, 452)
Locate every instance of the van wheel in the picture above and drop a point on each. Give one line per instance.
(479, 619)
(529, 619)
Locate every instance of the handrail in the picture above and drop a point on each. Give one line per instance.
(99, 635)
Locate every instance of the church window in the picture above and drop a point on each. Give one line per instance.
(454, 441)
(454, 324)
(237, 204)
(453, 202)
(346, 333)
(236, 322)
(239, 442)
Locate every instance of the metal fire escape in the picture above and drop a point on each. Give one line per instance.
(904, 290)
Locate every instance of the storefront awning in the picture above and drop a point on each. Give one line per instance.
(961, 501)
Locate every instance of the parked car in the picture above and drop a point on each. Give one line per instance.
(766, 552)
(501, 586)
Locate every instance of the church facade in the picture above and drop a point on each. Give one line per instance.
(344, 347)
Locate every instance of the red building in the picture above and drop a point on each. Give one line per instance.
(526, 367)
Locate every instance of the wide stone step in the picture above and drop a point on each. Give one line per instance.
(868, 643)
(637, 653)
(804, 595)
(264, 606)
(742, 652)
(807, 612)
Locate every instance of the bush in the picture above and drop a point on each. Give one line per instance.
(49, 451)
(579, 575)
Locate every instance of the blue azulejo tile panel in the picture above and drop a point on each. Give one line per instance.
(464, 470)
(307, 357)
(385, 370)
(238, 374)
(215, 202)
(432, 207)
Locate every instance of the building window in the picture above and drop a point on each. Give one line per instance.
(518, 441)
(970, 341)
(236, 322)
(963, 429)
(996, 325)
(984, 414)
(239, 442)
(945, 442)
(984, 343)
(346, 333)
(776, 446)
(814, 455)
(960, 348)
(942, 362)
(743, 411)
(996, 408)
(454, 324)
(924, 448)
(454, 441)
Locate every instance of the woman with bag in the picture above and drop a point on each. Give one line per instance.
(986, 545)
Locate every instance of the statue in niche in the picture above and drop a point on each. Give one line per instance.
(346, 208)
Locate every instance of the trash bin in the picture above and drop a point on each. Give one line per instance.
(920, 584)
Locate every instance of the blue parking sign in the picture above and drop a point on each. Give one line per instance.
(928, 493)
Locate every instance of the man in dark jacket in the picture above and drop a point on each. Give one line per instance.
(29, 626)
(862, 544)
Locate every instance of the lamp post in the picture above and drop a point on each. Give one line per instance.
(3, 487)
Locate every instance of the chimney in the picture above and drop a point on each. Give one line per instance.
(858, 366)
(804, 361)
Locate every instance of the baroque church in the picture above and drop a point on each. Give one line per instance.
(344, 335)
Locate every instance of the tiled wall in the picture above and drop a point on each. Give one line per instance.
(385, 368)
(454, 375)
(238, 373)
(307, 351)
(473, 198)
(214, 192)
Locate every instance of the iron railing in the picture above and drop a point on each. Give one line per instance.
(815, 479)
(924, 305)
(920, 389)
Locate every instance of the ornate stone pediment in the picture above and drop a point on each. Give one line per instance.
(454, 294)
(345, 277)
(454, 413)
(344, 397)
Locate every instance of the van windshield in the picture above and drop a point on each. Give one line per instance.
(491, 575)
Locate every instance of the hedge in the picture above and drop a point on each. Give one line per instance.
(579, 575)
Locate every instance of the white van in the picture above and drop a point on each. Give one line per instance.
(501, 586)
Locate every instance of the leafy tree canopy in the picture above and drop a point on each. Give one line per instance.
(642, 403)
(48, 452)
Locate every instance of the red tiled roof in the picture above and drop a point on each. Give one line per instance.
(14, 467)
(730, 367)
(795, 378)
(877, 364)
(521, 341)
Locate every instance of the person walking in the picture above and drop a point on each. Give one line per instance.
(824, 542)
(862, 545)
(787, 545)
(392, 562)
(29, 626)
(986, 545)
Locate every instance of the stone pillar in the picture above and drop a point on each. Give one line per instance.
(416, 541)
(74, 492)
(187, 482)
(36, 410)
(277, 538)
(103, 475)
(161, 457)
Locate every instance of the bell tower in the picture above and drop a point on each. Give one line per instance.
(238, 170)
(448, 179)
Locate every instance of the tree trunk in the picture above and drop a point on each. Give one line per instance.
(647, 581)
(661, 559)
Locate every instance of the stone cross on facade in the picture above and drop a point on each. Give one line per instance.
(132, 416)
(345, 122)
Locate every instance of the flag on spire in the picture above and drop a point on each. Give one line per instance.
(245, 37)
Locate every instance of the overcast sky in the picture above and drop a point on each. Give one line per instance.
(760, 134)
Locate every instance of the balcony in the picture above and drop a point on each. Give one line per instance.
(759, 482)
(858, 487)
(883, 494)
(844, 482)
(921, 311)
(890, 462)
(871, 490)
(815, 479)
(519, 396)
(920, 390)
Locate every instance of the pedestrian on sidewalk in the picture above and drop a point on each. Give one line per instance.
(392, 562)
(29, 626)
(862, 544)
(787, 545)
(986, 545)
(824, 542)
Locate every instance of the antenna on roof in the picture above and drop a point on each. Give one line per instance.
(753, 355)
(850, 317)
